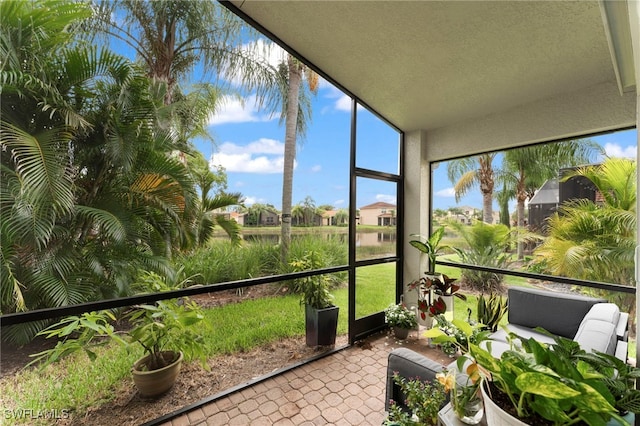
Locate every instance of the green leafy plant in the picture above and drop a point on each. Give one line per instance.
(456, 336)
(555, 382)
(487, 245)
(424, 400)
(490, 310)
(559, 382)
(430, 246)
(315, 288)
(168, 325)
(619, 378)
(398, 315)
(432, 283)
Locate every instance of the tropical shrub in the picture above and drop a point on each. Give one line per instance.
(91, 188)
(487, 245)
(596, 241)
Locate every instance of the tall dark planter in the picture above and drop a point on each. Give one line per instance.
(321, 325)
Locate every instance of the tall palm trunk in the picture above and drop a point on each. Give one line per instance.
(521, 197)
(486, 187)
(295, 80)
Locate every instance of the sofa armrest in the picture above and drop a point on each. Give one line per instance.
(622, 328)
(622, 351)
(411, 365)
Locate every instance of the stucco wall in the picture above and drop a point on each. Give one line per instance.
(599, 109)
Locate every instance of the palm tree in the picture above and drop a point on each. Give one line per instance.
(466, 173)
(90, 191)
(297, 112)
(526, 169)
(597, 240)
(342, 217)
(171, 38)
(210, 207)
(487, 245)
(309, 209)
(297, 213)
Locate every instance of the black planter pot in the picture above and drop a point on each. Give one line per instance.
(321, 325)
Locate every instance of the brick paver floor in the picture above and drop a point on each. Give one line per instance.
(346, 388)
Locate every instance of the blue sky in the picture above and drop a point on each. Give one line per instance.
(250, 145)
(616, 144)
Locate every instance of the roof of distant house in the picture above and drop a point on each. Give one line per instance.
(547, 194)
(378, 205)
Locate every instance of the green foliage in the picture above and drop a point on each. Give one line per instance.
(430, 246)
(596, 241)
(423, 398)
(221, 261)
(315, 288)
(490, 310)
(487, 245)
(168, 325)
(619, 378)
(91, 189)
(557, 382)
(398, 315)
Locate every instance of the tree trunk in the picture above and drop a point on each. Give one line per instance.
(291, 120)
(520, 211)
(487, 208)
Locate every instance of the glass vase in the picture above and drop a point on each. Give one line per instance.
(466, 400)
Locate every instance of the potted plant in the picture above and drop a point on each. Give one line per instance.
(167, 331)
(401, 318)
(433, 287)
(424, 400)
(491, 309)
(555, 384)
(321, 315)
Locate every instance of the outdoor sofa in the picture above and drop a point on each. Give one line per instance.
(592, 322)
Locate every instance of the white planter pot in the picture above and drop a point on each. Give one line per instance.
(448, 300)
(496, 416)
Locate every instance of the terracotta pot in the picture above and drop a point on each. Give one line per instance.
(494, 415)
(156, 382)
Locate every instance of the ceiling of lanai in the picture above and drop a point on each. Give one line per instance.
(430, 64)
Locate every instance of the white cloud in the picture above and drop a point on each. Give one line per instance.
(261, 156)
(261, 146)
(338, 203)
(316, 168)
(343, 103)
(265, 51)
(447, 192)
(234, 110)
(248, 201)
(615, 150)
(386, 198)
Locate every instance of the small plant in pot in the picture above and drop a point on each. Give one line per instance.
(401, 318)
(433, 287)
(168, 332)
(321, 315)
(552, 384)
